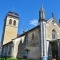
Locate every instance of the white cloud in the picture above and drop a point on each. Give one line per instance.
(34, 22)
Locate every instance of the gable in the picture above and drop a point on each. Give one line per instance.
(53, 20)
(52, 24)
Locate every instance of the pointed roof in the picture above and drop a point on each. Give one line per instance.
(52, 19)
(13, 14)
(42, 9)
(42, 14)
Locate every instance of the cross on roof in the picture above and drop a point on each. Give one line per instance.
(52, 14)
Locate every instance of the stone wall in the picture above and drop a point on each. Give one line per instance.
(33, 44)
(50, 27)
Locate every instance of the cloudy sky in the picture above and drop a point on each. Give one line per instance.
(28, 11)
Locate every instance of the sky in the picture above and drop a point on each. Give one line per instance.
(28, 11)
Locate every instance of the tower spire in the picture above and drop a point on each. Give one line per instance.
(43, 40)
(42, 13)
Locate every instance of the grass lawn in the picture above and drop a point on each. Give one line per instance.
(11, 59)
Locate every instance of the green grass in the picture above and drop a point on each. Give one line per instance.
(2, 58)
(11, 59)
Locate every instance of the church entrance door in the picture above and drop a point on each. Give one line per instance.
(54, 48)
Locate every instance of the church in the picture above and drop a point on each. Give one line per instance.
(39, 43)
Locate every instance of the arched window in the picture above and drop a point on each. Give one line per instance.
(54, 34)
(10, 21)
(32, 36)
(14, 23)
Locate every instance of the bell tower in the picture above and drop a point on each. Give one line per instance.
(10, 27)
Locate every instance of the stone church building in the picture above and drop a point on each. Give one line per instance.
(39, 43)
